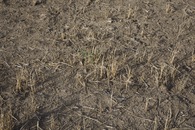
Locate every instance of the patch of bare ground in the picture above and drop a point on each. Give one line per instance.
(97, 64)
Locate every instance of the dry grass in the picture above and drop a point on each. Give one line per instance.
(6, 121)
(98, 65)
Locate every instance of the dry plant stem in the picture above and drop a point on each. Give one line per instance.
(113, 68)
(86, 107)
(166, 124)
(102, 67)
(183, 83)
(173, 72)
(5, 121)
(146, 106)
(38, 127)
(162, 67)
(156, 78)
(155, 123)
(66, 64)
(111, 100)
(193, 128)
(142, 118)
(84, 123)
(14, 117)
(130, 12)
(173, 55)
(18, 83)
(193, 55)
(52, 122)
(168, 120)
(147, 86)
(168, 8)
(96, 120)
(128, 78)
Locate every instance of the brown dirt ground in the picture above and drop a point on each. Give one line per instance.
(97, 64)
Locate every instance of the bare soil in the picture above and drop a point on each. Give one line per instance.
(97, 64)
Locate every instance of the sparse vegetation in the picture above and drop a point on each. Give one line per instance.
(97, 64)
